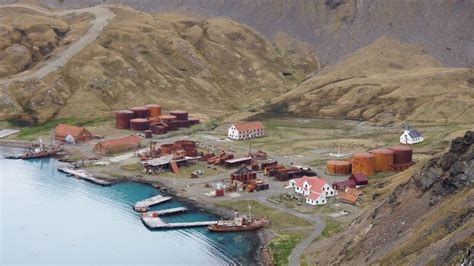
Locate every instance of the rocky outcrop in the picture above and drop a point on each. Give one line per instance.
(449, 172)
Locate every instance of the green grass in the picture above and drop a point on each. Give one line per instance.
(332, 227)
(281, 246)
(290, 230)
(31, 132)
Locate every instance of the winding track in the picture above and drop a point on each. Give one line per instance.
(294, 258)
(102, 17)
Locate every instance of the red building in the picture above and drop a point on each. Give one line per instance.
(360, 179)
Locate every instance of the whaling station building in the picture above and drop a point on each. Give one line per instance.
(313, 188)
(69, 133)
(246, 130)
(112, 146)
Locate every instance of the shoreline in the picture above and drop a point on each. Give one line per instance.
(264, 236)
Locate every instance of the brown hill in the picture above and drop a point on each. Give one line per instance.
(385, 81)
(337, 28)
(425, 219)
(177, 60)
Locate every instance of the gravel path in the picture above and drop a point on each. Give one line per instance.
(102, 16)
(294, 259)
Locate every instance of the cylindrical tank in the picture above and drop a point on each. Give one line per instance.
(167, 118)
(383, 159)
(154, 109)
(172, 125)
(363, 162)
(186, 143)
(336, 167)
(140, 112)
(180, 115)
(169, 148)
(402, 154)
(158, 129)
(148, 134)
(139, 124)
(122, 119)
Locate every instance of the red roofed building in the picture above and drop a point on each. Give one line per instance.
(112, 146)
(246, 130)
(315, 189)
(79, 134)
(360, 179)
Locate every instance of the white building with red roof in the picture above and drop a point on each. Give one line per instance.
(246, 130)
(313, 188)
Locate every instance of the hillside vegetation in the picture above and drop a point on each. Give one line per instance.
(387, 81)
(177, 60)
(425, 218)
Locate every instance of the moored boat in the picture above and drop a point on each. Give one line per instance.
(239, 223)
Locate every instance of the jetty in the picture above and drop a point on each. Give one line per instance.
(144, 205)
(81, 174)
(164, 212)
(157, 223)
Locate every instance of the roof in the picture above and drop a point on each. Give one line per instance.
(246, 126)
(315, 182)
(346, 197)
(236, 160)
(64, 129)
(160, 161)
(243, 170)
(359, 177)
(130, 140)
(354, 191)
(345, 183)
(313, 195)
(414, 133)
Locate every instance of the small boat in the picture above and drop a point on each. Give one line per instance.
(239, 223)
(38, 150)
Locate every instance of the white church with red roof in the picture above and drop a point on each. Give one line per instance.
(313, 188)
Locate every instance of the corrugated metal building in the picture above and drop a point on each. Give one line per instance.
(112, 146)
(79, 134)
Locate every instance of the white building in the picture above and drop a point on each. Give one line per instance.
(246, 130)
(411, 136)
(313, 188)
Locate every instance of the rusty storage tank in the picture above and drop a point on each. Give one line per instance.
(191, 152)
(186, 143)
(122, 119)
(172, 125)
(169, 148)
(180, 115)
(148, 134)
(140, 112)
(402, 155)
(153, 120)
(338, 167)
(159, 129)
(363, 162)
(383, 159)
(139, 124)
(167, 118)
(154, 110)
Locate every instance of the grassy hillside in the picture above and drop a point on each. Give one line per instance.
(386, 81)
(178, 60)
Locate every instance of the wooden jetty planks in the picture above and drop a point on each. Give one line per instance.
(144, 205)
(81, 174)
(157, 223)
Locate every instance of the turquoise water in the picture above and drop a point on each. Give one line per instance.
(50, 218)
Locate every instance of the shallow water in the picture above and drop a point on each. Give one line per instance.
(50, 218)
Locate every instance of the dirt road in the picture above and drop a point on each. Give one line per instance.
(102, 16)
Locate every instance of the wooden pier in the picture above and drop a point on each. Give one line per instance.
(81, 174)
(157, 223)
(155, 214)
(144, 205)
